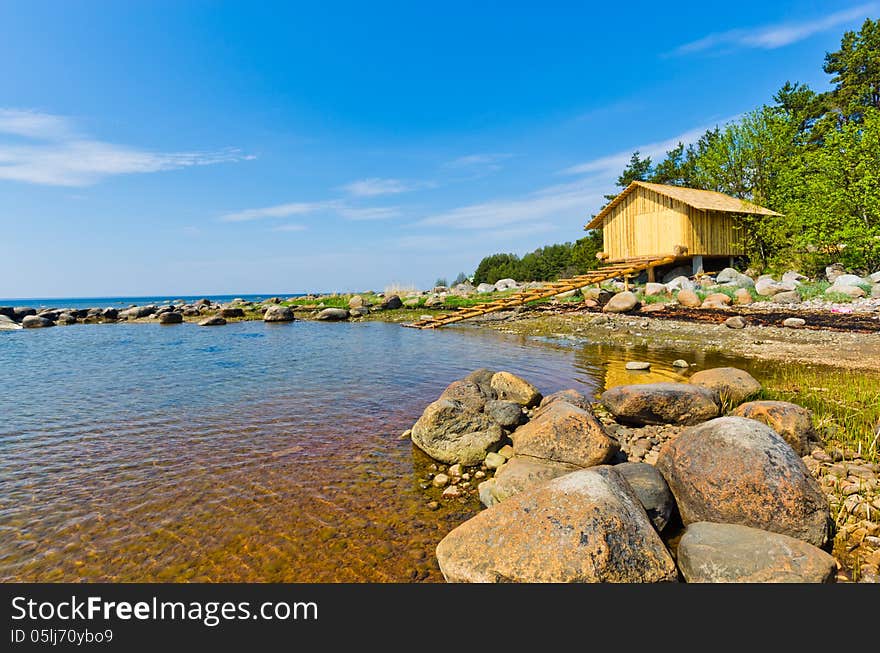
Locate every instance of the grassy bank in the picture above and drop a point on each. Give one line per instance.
(845, 404)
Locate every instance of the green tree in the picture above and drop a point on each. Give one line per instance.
(461, 278)
(856, 72)
(638, 169)
(834, 197)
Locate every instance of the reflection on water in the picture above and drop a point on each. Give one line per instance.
(250, 452)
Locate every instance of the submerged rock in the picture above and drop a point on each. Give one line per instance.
(730, 553)
(587, 526)
(454, 429)
(739, 471)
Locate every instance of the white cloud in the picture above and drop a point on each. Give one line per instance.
(488, 161)
(614, 163)
(770, 37)
(371, 213)
(377, 186)
(290, 227)
(57, 155)
(279, 211)
(556, 205)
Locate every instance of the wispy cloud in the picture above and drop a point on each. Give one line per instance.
(770, 37)
(375, 186)
(553, 205)
(371, 213)
(56, 154)
(487, 161)
(280, 211)
(290, 227)
(614, 163)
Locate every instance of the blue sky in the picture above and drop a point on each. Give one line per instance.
(220, 147)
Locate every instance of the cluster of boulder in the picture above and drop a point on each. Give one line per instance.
(729, 498)
(731, 287)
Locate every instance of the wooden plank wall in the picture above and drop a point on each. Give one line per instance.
(648, 224)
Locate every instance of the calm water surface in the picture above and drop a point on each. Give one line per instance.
(249, 452)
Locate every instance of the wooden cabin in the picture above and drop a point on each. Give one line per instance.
(652, 220)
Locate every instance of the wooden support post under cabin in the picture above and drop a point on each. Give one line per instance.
(698, 264)
(651, 275)
(626, 282)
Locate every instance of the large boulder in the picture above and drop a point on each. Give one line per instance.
(660, 403)
(622, 302)
(512, 388)
(506, 413)
(171, 317)
(564, 433)
(766, 286)
(742, 297)
(739, 471)
(680, 283)
(36, 322)
(519, 474)
(277, 313)
(231, 311)
(21, 312)
(688, 298)
(655, 289)
(506, 284)
(587, 526)
(333, 315)
(7, 311)
(730, 383)
(794, 423)
(356, 301)
(8, 324)
(651, 489)
(850, 280)
(676, 273)
(852, 291)
(787, 297)
(730, 277)
(214, 320)
(137, 312)
(485, 288)
(391, 303)
(571, 396)
(730, 553)
(454, 429)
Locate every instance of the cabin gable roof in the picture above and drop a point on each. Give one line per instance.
(706, 200)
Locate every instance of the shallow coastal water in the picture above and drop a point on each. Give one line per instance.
(249, 452)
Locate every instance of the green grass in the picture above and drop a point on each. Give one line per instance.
(813, 290)
(837, 297)
(845, 405)
(655, 299)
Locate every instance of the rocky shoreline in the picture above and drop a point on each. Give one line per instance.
(734, 490)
